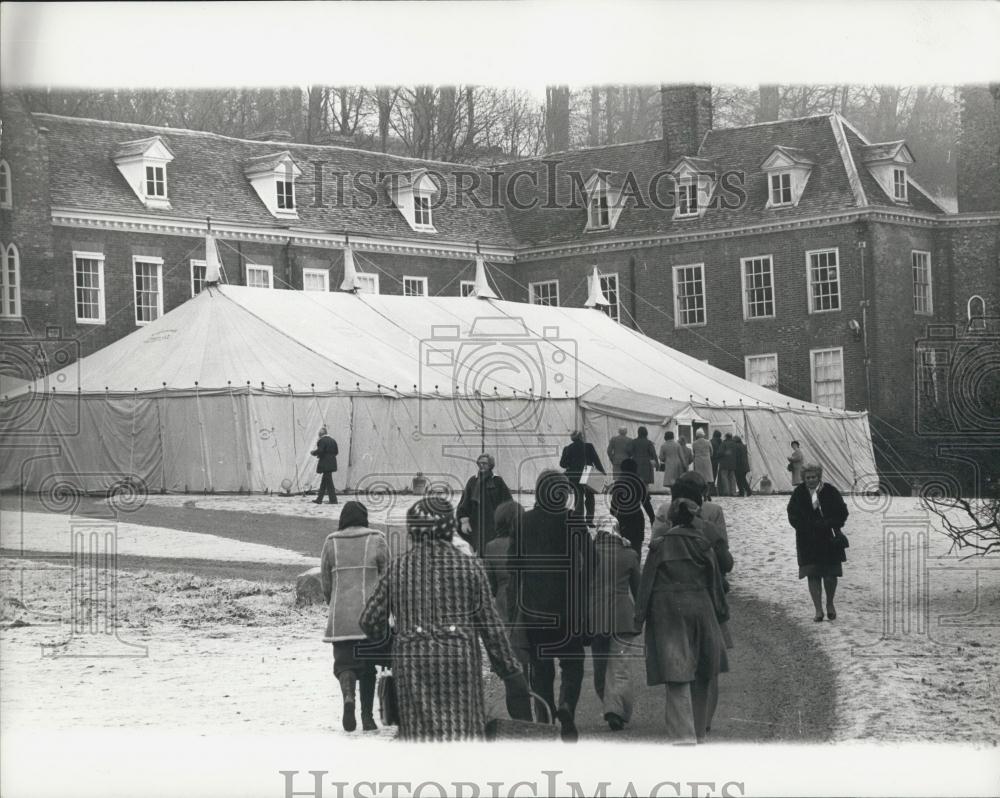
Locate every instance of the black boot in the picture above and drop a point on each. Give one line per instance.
(367, 681)
(347, 682)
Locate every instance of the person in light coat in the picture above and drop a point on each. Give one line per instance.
(618, 449)
(795, 461)
(674, 459)
(703, 456)
(354, 558)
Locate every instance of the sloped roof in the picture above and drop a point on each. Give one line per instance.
(307, 341)
(916, 198)
(207, 179)
(794, 154)
(129, 148)
(884, 151)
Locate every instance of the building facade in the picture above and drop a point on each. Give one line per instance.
(798, 253)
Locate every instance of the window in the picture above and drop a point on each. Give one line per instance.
(156, 182)
(689, 295)
(260, 276)
(6, 194)
(600, 217)
(923, 300)
(315, 280)
(899, 184)
(466, 287)
(198, 269)
(367, 283)
(609, 287)
(545, 293)
(781, 188)
(762, 370)
(687, 197)
(286, 194)
(10, 282)
(758, 288)
(827, 368)
(422, 211)
(88, 281)
(975, 308)
(824, 280)
(414, 286)
(147, 274)
(932, 373)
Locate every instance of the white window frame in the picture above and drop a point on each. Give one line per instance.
(812, 374)
(780, 177)
(767, 355)
(7, 253)
(896, 195)
(928, 310)
(419, 210)
(687, 198)
(260, 267)
(614, 309)
(466, 287)
(533, 291)
(809, 280)
(279, 197)
(99, 258)
(746, 287)
(421, 280)
(704, 296)
(968, 308)
(366, 276)
(324, 274)
(599, 208)
(146, 181)
(6, 186)
(197, 264)
(147, 260)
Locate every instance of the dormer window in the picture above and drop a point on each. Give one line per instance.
(413, 194)
(143, 164)
(156, 181)
(888, 164)
(604, 203)
(899, 184)
(695, 184)
(781, 188)
(273, 178)
(787, 170)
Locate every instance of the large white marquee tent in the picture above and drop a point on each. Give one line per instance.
(227, 391)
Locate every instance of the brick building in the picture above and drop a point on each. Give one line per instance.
(796, 253)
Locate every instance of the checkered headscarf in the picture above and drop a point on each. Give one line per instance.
(431, 518)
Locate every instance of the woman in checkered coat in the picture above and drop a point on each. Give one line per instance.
(440, 601)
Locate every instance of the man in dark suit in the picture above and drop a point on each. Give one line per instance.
(575, 457)
(326, 451)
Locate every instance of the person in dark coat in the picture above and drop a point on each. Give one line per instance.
(817, 512)
(728, 461)
(629, 495)
(575, 457)
(552, 562)
(619, 447)
(440, 600)
(612, 623)
(681, 601)
(716, 454)
(644, 453)
(326, 453)
(742, 466)
(482, 495)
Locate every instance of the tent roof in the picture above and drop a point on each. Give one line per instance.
(406, 345)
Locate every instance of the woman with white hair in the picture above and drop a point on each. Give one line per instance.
(483, 493)
(817, 512)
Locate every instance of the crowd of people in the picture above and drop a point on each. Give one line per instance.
(537, 587)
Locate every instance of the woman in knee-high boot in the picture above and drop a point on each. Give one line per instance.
(354, 559)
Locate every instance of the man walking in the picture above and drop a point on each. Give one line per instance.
(742, 466)
(619, 448)
(326, 453)
(575, 457)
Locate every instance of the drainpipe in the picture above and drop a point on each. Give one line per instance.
(862, 248)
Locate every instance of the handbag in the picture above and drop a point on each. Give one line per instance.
(510, 729)
(388, 700)
(840, 540)
(789, 468)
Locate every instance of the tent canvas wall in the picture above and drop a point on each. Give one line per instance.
(226, 393)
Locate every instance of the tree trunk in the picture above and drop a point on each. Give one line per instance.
(610, 113)
(556, 118)
(594, 134)
(384, 99)
(768, 109)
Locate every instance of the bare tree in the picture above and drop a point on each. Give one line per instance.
(556, 118)
(973, 525)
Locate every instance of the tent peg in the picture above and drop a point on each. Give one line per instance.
(415, 389)
(357, 386)
(195, 384)
(436, 389)
(262, 385)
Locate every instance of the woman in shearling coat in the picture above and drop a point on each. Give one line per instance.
(441, 602)
(354, 558)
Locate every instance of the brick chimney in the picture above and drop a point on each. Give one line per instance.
(687, 117)
(979, 148)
